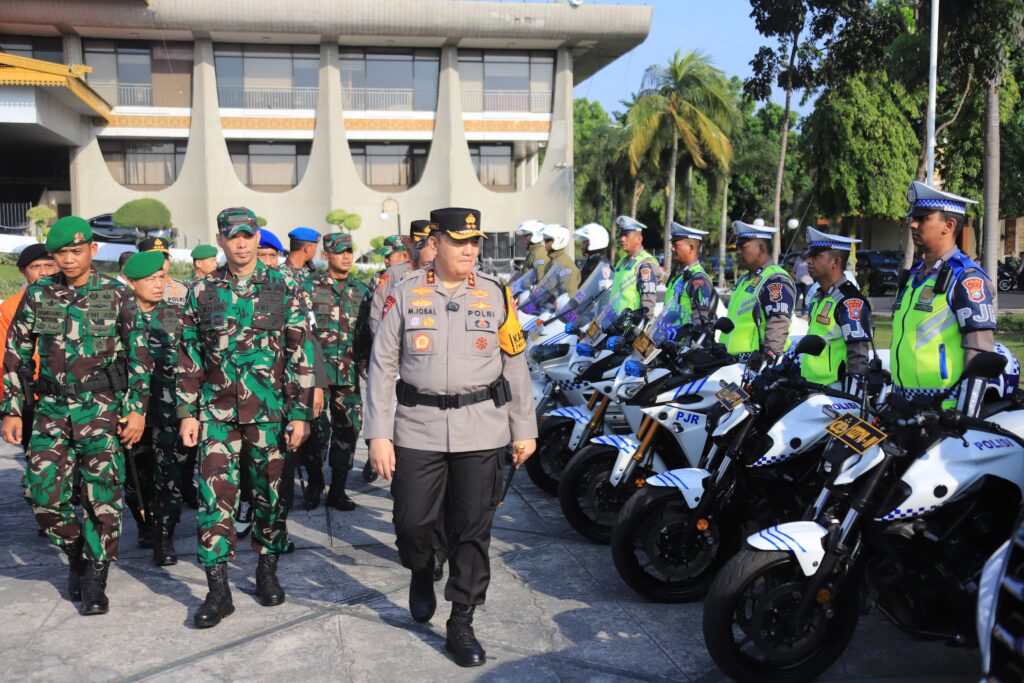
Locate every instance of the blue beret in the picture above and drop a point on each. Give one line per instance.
(268, 240)
(305, 234)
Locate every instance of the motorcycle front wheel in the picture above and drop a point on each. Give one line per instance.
(590, 502)
(546, 465)
(749, 627)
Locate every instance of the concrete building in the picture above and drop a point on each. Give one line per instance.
(385, 108)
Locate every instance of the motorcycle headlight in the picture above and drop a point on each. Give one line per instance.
(613, 342)
(584, 350)
(546, 352)
(628, 390)
(634, 368)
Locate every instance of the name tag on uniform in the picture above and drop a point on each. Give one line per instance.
(49, 319)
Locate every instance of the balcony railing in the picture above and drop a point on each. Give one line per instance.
(124, 94)
(267, 98)
(506, 100)
(388, 99)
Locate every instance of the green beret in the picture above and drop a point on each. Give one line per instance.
(68, 231)
(337, 242)
(203, 251)
(143, 264)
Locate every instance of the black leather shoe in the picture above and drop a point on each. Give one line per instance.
(164, 554)
(76, 567)
(218, 602)
(422, 601)
(369, 474)
(461, 641)
(94, 586)
(267, 586)
(314, 488)
(336, 497)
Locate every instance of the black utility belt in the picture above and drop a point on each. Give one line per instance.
(499, 391)
(112, 379)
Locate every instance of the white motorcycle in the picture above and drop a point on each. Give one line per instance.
(911, 508)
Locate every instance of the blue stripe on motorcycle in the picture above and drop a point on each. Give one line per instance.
(774, 544)
(773, 532)
(780, 532)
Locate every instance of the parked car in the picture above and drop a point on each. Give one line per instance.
(104, 230)
(878, 270)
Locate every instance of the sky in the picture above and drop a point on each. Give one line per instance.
(721, 29)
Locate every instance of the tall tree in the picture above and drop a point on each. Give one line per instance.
(690, 98)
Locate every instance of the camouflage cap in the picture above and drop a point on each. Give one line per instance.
(69, 231)
(204, 251)
(460, 224)
(143, 264)
(337, 242)
(238, 219)
(392, 244)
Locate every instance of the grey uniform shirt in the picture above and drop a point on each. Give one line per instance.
(385, 286)
(446, 352)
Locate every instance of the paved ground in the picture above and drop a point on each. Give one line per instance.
(556, 611)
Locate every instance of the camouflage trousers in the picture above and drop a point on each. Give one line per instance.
(159, 461)
(53, 458)
(225, 448)
(339, 435)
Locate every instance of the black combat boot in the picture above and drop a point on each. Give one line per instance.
(422, 601)
(76, 566)
(336, 497)
(314, 487)
(267, 586)
(164, 554)
(369, 474)
(94, 587)
(461, 640)
(218, 601)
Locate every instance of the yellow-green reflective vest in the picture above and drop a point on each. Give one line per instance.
(824, 369)
(749, 331)
(624, 289)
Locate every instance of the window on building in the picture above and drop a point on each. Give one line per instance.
(390, 165)
(389, 80)
(494, 166)
(172, 73)
(506, 80)
(144, 165)
(267, 76)
(121, 71)
(270, 166)
(34, 47)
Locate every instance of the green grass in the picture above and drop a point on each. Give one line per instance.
(1013, 340)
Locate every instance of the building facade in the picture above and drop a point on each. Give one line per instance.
(384, 108)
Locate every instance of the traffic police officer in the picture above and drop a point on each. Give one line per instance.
(160, 319)
(556, 239)
(536, 252)
(245, 364)
(593, 239)
(943, 313)
(453, 336)
(691, 284)
(762, 303)
(418, 231)
(93, 375)
(341, 304)
(636, 275)
(839, 314)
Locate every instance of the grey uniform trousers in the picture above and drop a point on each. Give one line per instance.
(466, 487)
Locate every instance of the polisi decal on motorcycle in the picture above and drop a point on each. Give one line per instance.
(803, 539)
(848, 405)
(689, 481)
(993, 444)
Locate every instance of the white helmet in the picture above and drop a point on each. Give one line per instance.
(595, 234)
(559, 234)
(531, 228)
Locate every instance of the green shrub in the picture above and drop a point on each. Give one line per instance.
(145, 214)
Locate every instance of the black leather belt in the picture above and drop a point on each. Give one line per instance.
(498, 391)
(112, 379)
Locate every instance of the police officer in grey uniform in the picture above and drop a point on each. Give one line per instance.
(418, 231)
(464, 395)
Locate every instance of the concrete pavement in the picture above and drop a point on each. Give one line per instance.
(556, 611)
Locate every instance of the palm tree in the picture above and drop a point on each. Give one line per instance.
(688, 97)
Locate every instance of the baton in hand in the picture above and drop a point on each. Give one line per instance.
(508, 482)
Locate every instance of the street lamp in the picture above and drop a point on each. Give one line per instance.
(388, 207)
(793, 223)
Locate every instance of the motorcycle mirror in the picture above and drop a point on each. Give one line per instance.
(986, 365)
(724, 325)
(810, 345)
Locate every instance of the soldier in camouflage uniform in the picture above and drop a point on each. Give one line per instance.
(93, 386)
(302, 246)
(245, 365)
(341, 304)
(160, 319)
(204, 262)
